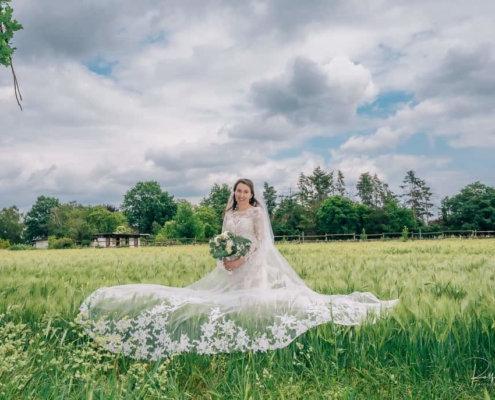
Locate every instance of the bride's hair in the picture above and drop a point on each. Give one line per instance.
(253, 201)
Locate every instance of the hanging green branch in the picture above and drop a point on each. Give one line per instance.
(7, 28)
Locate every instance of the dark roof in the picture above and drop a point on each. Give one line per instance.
(39, 238)
(110, 234)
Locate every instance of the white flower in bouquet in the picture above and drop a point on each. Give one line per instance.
(228, 245)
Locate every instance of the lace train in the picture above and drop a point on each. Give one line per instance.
(151, 322)
(263, 305)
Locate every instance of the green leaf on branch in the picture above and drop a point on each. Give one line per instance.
(7, 28)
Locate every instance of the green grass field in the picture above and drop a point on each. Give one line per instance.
(440, 337)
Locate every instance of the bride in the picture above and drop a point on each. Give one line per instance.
(255, 303)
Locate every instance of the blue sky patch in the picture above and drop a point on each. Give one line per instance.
(101, 66)
(386, 104)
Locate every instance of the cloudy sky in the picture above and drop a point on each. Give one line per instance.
(193, 92)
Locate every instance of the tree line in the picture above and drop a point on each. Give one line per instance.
(320, 205)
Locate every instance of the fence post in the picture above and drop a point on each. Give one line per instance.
(354, 236)
(326, 238)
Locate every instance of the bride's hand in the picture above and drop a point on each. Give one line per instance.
(231, 265)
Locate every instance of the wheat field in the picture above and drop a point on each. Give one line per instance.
(439, 343)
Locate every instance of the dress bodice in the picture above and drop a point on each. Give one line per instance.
(247, 223)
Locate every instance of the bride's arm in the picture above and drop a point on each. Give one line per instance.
(259, 234)
(221, 262)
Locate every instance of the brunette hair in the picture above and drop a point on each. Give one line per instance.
(253, 201)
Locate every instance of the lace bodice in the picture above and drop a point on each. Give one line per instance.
(247, 223)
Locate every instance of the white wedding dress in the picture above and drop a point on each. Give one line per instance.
(262, 305)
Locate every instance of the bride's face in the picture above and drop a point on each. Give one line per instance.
(242, 195)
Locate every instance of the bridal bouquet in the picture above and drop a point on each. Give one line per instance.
(228, 245)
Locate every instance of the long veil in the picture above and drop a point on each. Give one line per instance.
(216, 313)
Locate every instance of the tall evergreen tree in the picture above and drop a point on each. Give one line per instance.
(315, 188)
(305, 189)
(382, 193)
(412, 192)
(322, 183)
(332, 188)
(340, 189)
(365, 189)
(417, 196)
(426, 204)
(270, 197)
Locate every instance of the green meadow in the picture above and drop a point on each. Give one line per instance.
(439, 343)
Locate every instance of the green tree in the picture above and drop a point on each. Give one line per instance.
(218, 199)
(391, 217)
(71, 220)
(473, 208)
(146, 203)
(11, 225)
(185, 224)
(209, 219)
(270, 197)
(289, 217)
(37, 218)
(340, 215)
(8, 26)
(105, 221)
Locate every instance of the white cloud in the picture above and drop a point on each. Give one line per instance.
(384, 138)
(206, 92)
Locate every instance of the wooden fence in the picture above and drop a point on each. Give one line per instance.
(341, 237)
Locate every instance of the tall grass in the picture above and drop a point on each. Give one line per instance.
(438, 343)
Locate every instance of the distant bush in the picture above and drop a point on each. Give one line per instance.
(86, 243)
(4, 244)
(62, 243)
(16, 247)
(363, 236)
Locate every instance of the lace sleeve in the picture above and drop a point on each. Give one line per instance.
(224, 224)
(259, 234)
